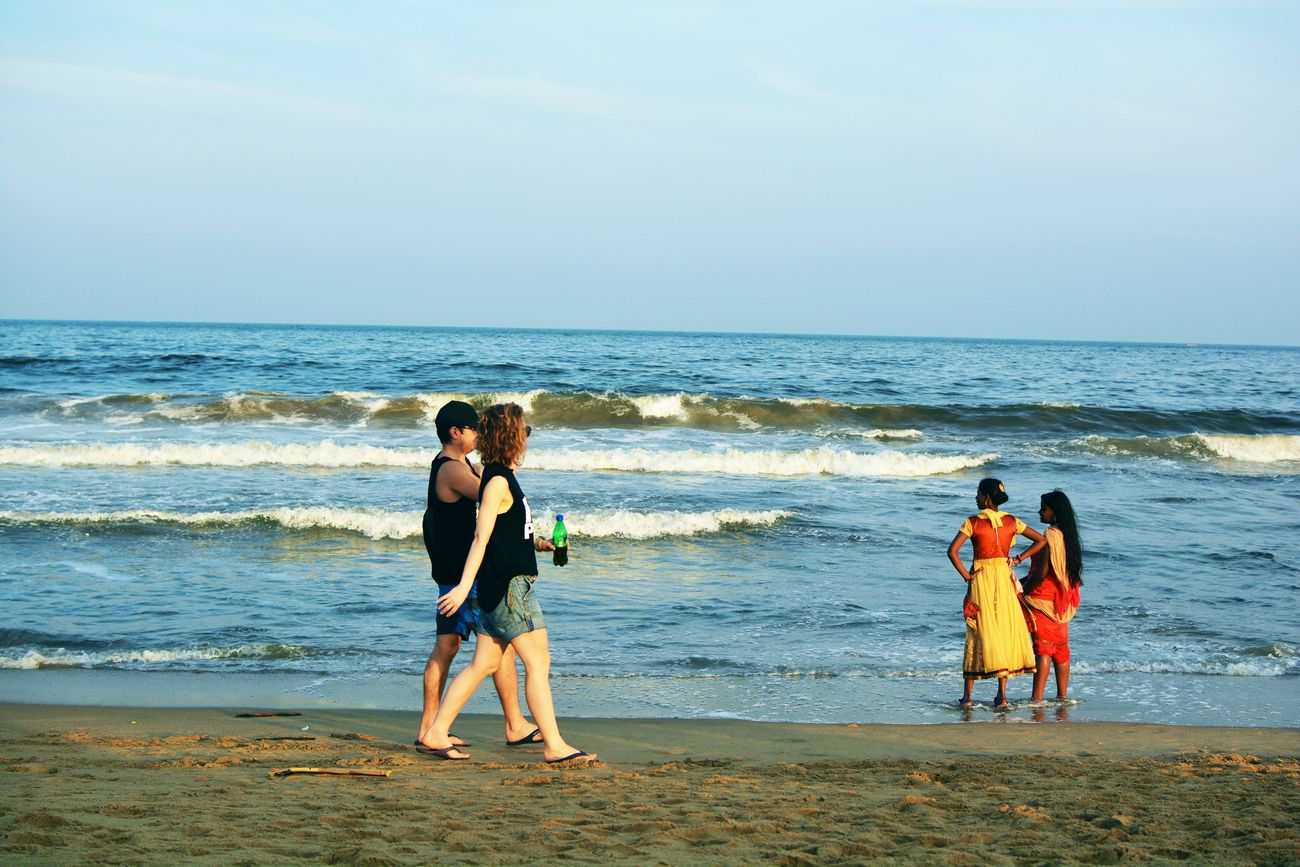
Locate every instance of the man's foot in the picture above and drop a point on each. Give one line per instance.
(533, 737)
(452, 739)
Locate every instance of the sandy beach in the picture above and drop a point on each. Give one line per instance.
(148, 785)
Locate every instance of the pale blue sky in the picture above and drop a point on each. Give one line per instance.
(1094, 170)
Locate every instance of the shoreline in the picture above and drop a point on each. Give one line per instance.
(155, 785)
(1185, 700)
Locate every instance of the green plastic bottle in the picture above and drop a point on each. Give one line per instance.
(560, 538)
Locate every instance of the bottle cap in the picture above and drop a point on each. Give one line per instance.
(559, 517)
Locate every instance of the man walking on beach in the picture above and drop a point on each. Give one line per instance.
(449, 520)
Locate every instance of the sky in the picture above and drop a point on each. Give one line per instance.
(1025, 168)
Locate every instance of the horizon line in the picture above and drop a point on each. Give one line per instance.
(1190, 344)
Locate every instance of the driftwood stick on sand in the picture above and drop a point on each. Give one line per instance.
(333, 772)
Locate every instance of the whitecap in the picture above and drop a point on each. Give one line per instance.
(660, 406)
(1253, 448)
(62, 658)
(380, 524)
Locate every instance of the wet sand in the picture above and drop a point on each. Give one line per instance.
(94, 784)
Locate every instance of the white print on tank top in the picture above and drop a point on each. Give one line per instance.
(528, 520)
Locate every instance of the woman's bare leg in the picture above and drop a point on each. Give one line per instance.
(965, 696)
(1062, 680)
(1001, 697)
(487, 658)
(534, 650)
(1040, 678)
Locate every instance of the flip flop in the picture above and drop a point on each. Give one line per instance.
(579, 754)
(965, 702)
(444, 753)
(463, 742)
(533, 737)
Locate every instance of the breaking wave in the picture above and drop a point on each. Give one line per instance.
(63, 658)
(821, 461)
(378, 524)
(587, 409)
(1264, 449)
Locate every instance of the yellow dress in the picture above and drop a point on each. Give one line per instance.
(997, 639)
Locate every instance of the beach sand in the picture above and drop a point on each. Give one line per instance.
(96, 784)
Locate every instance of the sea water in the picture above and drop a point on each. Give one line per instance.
(230, 514)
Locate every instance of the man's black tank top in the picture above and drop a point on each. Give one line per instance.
(510, 547)
(448, 528)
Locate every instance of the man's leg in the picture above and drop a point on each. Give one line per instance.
(435, 678)
(506, 680)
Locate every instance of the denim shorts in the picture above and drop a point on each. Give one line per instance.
(517, 613)
(465, 621)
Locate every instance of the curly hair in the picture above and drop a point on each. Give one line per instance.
(501, 434)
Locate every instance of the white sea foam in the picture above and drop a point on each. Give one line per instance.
(241, 454)
(1257, 448)
(523, 398)
(650, 525)
(62, 658)
(379, 524)
(743, 421)
(1220, 667)
(660, 406)
(328, 454)
(177, 413)
(371, 403)
(820, 461)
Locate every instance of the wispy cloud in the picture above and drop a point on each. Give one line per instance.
(788, 84)
(552, 96)
(1189, 234)
(113, 85)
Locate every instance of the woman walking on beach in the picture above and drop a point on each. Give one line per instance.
(997, 639)
(503, 559)
(1052, 592)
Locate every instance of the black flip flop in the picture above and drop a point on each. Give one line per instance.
(533, 737)
(450, 735)
(444, 753)
(579, 754)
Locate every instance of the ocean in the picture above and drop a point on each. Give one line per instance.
(230, 515)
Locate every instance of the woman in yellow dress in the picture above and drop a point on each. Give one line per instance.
(997, 639)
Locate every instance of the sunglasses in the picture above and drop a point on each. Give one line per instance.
(528, 431)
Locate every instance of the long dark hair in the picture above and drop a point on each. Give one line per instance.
(1063, 513)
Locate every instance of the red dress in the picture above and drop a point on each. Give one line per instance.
(1053, 602)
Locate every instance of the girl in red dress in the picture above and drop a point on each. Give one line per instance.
(1052, 592)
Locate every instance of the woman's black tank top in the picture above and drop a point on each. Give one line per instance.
(510, 547)
(448, 528)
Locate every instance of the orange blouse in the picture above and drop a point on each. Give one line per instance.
(992, 533)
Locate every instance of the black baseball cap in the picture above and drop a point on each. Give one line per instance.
(455, 413)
